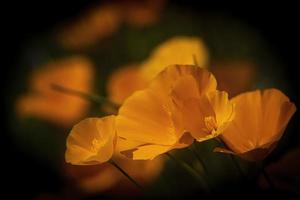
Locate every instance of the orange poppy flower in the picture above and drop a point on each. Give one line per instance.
(208, 116)
(142, 13)
(260, 120)
(106, 19)
(95, 24)
(59, 108)
(153, 119)
(177, 50)
(124, 82)
(91, 141)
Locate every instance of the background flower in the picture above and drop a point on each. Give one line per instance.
(44, 102)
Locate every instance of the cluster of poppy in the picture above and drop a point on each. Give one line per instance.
(178, 104)
(166, 102)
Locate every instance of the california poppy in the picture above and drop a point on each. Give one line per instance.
(177, 50)
(94, 25)
(42, 101)
(124, 82)
(105, 177)
(91, 141)
(153, 119)
(260, 120)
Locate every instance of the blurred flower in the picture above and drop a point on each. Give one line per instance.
(105, 177)
(104, 20)
(234, 77)
(154, 120)
(284, 173)
(260, 120)
(142, 13)
(177, 50)
(91, 141)
(45, 103)
(96, 24)
(124, 82)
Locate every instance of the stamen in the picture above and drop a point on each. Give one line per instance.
(210, 123)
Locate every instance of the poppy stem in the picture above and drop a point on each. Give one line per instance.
(237, 165)
(268, 179)
(126, 174)
(91, 97)
(191, 171)
(194, 151)
(195, 60)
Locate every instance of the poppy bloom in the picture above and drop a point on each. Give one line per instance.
(153, 117)
(177, 50)
(124, 82)
(208, 116)
(94, 141)
(142, 13)
(44, 102)
(104, 20)
(91, 141)
(94, 25)
(260, 120)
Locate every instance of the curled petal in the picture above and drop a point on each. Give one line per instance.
(91, 141)
(145, 117)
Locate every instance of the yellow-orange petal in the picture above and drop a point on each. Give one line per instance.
(184, 81)
(145, 116)
(146, 152)
(124, 82)
(224, 109)
(260, 120)
(91, 141)
(208, 116)
(178, 50)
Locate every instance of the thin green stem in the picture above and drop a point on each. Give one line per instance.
(193, 149)
(191, 171)
(126, 174)
(268, 179)
(237, 165)
(234, 161)
(91, 97)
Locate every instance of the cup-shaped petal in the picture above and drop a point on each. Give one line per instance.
(260, 120)
(208, 116)
(91, 141)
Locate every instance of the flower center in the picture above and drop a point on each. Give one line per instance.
(210, 123)
(96, 144)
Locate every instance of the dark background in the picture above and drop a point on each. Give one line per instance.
(23, 20)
